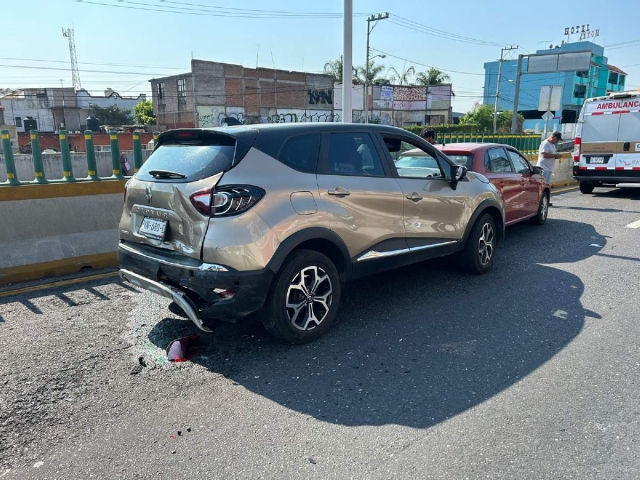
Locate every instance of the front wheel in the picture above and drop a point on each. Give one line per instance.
(586, 187)
(543, 210)
(304, 298)
(479, 251)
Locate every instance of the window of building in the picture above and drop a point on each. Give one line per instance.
(579, 91)
(583, 74)
(621, 80)
(160, 91)
(301, 153)
(182, 91)
(18, 121)
(613, 78)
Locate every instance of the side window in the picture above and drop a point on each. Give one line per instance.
(412, 161)
(301, 153)
(496, 161)
(519, 163)
(353, 154)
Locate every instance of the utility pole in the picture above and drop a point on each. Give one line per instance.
(64, 120)
(516, 96)
(495, 105)
(374, 19)
(75, 73)
(347, 66)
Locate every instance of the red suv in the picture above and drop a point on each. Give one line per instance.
(526, 194)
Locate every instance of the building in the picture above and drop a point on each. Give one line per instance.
(213, 92)
(600, 79)
(55, 108)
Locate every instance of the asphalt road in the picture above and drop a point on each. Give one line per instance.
(531, 371)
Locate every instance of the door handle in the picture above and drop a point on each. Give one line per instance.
(416, 197)
(339, 192)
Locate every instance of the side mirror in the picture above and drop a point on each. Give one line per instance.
(458, 172)
(537, 170)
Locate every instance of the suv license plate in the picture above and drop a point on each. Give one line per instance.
(153, 228)
(596, 160)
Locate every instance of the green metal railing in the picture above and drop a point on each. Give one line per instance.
(39, 176)
(527, 144)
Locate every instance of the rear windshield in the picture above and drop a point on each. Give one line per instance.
(189, 159)
(463, 159)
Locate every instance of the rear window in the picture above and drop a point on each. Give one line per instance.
(462, 159)
(188, 157)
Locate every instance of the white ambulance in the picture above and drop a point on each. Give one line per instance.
(607, 144)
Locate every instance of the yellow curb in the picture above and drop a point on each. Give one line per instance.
(64, 266)
(61, 283)
(57, 190)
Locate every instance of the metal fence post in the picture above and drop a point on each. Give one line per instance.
(115, 157)
(67, 167)
(137, 152)
(36, 153)
(12, 176)
(92, 168)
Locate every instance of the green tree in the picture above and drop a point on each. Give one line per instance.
(334, 68)
(143, 113)
(504, 121)
(375, 74)
(111, 116)
(433, 76)
(481, 115)
(402, 78)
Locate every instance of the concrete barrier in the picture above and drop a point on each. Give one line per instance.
(57, 228)
(53, 165)
(562, 173)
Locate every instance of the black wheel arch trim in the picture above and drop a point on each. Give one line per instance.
(482, 208)
(314, 233)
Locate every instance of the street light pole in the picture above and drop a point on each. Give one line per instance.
(495, 105)
(347, 64)
(371, 18)
(516, 96)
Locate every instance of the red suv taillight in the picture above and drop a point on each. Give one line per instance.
(226, 201)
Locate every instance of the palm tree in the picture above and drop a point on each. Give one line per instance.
(334, 67)
(402, 78)
(375, 71)
(433, 76)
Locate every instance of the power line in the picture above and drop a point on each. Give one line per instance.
(199, 12)
(92, 63)
(423, 64)
(410, 24)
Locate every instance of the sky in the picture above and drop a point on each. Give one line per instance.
(121, 44)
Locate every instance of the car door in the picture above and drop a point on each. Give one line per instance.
(362, 199)
(500, 172)
(433, 211)
(529, 183)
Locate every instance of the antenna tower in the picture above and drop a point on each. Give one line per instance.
(75, 73)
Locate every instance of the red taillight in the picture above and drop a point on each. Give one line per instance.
(201, 200)
(576, 149)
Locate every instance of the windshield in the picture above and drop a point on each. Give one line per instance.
(462, 159)
(192, 158)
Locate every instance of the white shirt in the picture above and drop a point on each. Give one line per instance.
(547, 163)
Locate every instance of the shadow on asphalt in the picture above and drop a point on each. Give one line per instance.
(421, 344)
(631, 193)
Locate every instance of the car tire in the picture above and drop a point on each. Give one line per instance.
(543, 210)
(304, 298)
(586, 187)
(478, 254)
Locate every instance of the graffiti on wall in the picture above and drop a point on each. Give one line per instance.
(209, 117)
(299, 117)
(320, 96)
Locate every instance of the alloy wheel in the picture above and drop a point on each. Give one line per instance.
(486, 244)
(309, 298)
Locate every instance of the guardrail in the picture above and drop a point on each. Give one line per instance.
(527, 144)
(39, 176)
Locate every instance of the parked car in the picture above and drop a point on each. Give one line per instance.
(526, 194)
(276, 218)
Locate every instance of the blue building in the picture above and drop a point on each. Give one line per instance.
(600, 79)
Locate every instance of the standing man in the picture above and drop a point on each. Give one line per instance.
(547, 155)
(429, 136)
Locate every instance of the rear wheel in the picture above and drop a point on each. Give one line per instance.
(586, 187)
(543, 210)
(304, 298)
(478, 254)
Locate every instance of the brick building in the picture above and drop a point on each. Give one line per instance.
(247, 94)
